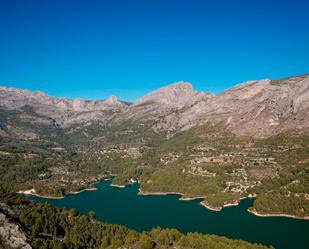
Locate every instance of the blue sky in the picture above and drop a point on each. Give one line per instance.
(92, 49)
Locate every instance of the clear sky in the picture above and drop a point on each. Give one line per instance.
(91, 49)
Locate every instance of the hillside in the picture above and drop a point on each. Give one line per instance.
(26, 224)
(251, 140)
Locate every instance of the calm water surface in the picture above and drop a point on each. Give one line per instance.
(124, 206)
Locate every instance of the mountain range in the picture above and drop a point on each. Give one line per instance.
(252, 140)
(259, 108)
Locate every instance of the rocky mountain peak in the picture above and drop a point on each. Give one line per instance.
(179, 86)
(249, 88)
(258, 108)
(78, 104)
(112, 100)
(174, 95)
(40, 94)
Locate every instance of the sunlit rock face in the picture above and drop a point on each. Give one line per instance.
(11, 235)
(61, 111)
(259, 108)
(176, 95)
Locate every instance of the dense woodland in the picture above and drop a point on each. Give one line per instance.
(164, 165)
(54, 228)
(59, 162)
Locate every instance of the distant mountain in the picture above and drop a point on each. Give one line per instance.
(54, 112)
(250, 140)
(258, 108)
(176, 95)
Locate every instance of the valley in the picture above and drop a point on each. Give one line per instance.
(250, 141)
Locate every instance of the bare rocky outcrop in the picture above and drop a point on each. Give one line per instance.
(176, 95)
(11, 236)
(13, 98)
(164, 105)
(259, 108)
(39, 108)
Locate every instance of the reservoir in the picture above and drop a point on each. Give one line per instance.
(124, 206)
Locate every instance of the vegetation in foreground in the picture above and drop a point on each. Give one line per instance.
(53, 228)
(203, 161)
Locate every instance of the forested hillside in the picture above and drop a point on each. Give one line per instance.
(53, 228)
(250, 141)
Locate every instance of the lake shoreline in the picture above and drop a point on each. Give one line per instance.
(182, 198)
(206, 205)
(254, 212)
(33, 192)
(218, 209)
(124, 206)
(140, 192)
(117, 186)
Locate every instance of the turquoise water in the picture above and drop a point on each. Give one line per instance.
(124, 206)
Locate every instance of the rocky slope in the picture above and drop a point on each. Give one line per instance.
(11, 235)
(249, 140)
(46, 227)
(256, 108)
(39, 109)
